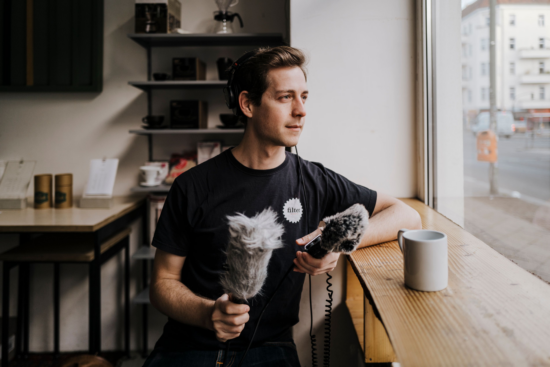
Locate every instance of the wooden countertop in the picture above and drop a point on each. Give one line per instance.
(493, 313)
(66, 220)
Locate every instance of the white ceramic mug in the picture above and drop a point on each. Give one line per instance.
(426, 259)
(150, 174)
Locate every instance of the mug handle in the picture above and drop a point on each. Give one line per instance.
(400, 237)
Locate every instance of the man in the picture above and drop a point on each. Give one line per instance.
(270, 92)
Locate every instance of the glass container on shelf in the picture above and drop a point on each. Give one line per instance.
(224, 18)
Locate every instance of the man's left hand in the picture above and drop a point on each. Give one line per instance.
(305, 263)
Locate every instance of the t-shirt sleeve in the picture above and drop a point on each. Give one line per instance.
(173, 230)
(341, 193)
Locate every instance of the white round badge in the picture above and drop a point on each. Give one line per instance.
(292, 210)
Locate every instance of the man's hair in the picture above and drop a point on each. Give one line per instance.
(252, 75)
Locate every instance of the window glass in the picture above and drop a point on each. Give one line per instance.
(506, 200)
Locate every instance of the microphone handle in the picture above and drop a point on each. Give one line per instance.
(314, 248)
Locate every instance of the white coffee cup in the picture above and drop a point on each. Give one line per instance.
(426, 259)
(150, 174)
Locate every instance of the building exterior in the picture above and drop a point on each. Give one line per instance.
(523, 57)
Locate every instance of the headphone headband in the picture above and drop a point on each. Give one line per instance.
(231, 92)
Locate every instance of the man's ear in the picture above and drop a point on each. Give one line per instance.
(245, 104)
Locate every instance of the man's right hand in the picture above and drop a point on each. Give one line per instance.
(228, 318)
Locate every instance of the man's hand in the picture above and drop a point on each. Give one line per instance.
(228, 318)
(305, 263)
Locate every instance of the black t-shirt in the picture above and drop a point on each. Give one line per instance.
(193, 223)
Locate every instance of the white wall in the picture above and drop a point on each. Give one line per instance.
(360, 117)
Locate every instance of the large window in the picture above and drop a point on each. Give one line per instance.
(501, 198)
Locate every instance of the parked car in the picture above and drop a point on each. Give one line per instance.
(505, 123)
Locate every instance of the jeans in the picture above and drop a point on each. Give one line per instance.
(267, 355)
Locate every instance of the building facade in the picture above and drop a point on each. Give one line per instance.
(522, 57)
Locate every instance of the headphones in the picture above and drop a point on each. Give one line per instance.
(231, 92)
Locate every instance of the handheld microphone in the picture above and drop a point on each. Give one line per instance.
(251, 243)
(343, 232)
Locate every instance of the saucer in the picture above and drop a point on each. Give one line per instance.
(149, 184)
(147, 127)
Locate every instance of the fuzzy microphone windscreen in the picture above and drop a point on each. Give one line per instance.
(251, 242)
(343, 232)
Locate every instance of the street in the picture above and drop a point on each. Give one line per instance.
(523, 167)
(516, 222)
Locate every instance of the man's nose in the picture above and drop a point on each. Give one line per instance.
(299, 108)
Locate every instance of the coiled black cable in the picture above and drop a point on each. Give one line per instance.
(328, 323)
(311, 335)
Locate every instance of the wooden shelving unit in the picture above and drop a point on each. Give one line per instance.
(150, 41)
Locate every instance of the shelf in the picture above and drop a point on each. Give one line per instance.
(142, 297)
(180, 84)
(186, 131)
(208, 39)
(159, 188)
(144, 253)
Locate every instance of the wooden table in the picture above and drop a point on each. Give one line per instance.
(493, 313)
(103, 223)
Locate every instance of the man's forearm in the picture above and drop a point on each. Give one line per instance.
(175, 300)
(384, 225)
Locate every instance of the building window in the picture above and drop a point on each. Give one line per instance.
(483, 94)
(484, 44)
(469, 28)
(483, 68)
(541, 93)
(512, 93)
(487, 21)
(541, 42)
(512, 68)
(541, 67)
(512, 43)
(512, 19)
(541, 20)
(469, 95)
(469, 49)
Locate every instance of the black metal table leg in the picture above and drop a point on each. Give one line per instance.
(5, 312)
(56, 310)
(20, 321)
(26, 306)
(96, 263)
(91, 313)
(127, 296)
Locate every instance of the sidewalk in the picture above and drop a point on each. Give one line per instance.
(517, 229)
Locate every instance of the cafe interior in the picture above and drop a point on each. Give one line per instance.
(104, 103)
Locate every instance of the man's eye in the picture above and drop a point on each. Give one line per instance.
(286, 96)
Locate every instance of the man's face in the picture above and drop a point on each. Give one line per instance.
(280, 117)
